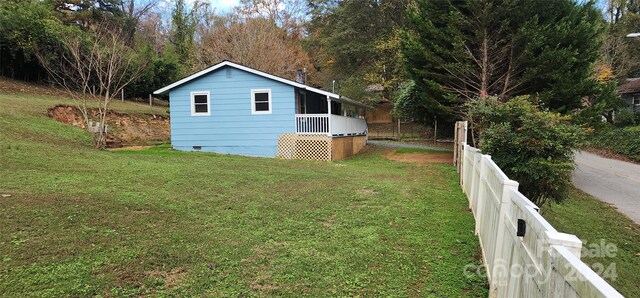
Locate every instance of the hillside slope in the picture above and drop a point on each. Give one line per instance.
(79, 222)
(130, 123)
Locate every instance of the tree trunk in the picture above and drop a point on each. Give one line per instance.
(484, 71)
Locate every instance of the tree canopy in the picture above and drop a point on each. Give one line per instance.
(432, 56)
(356, 43)
(457, 51)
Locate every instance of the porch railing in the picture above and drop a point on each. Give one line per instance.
(330, 124)
(312, 123)
(347, 126)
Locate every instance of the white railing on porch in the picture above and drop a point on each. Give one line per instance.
(334, 125)
(312, 123)
(539, 261)
(347, 126)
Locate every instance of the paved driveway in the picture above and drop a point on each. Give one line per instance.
(612, 181)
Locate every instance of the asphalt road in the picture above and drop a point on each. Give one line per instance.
(612, 181)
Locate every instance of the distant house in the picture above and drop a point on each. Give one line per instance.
(381, 113)
(235, 109)
(630, 93)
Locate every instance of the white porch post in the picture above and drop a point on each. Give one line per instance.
(329, 115)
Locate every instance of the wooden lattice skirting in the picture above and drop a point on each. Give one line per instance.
(304, 146)
(318, 146)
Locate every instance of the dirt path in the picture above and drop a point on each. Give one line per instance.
(393, 144)
(443, 156)
(421, 158)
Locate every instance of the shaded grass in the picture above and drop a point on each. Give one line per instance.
(596, 222)
(83, 222)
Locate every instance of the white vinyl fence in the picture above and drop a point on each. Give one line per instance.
(523, 254)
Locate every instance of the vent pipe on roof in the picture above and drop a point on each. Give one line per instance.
(300, 76)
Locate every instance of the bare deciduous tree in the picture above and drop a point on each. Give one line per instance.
(93, 68)
(287, 14)
(257, 42)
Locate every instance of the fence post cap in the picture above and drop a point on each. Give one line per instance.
(510, 182)
(569, 241)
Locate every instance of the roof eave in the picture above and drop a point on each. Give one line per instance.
(264, 74)
(191, 77)
(355, 103)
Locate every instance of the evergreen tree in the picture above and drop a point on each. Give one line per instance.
(24, 27)
(458, 51)
(89, 13)
(184, 23)
(357, 44)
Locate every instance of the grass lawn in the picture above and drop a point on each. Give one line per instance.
(82, 222)
(594, 221)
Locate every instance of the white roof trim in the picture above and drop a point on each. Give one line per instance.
(350, 101)
(248, 69)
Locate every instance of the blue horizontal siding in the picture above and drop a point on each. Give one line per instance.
(223, 136)
(231, 128)
(225, 130)
(223, 116)
(267, 151)
(225, 143)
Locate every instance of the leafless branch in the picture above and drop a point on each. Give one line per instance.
(93, 69)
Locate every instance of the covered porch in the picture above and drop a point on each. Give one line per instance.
(332, 116)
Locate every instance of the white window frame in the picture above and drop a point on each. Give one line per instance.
(193, 103)
(636, 97)
(253, 101)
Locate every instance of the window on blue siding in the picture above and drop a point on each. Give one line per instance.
(200, 103)
(261, 101)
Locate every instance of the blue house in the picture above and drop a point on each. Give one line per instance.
(234, 109)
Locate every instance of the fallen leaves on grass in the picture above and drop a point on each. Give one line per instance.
(171, 278)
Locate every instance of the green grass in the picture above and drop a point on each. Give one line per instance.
(594, 221)
(85, 222)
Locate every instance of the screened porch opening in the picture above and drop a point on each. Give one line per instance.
(319, 114)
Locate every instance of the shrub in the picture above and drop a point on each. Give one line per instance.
(531, 146)
(625, 117)
(624, 140)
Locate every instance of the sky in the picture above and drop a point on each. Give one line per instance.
(224, 5)
(220, 5)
